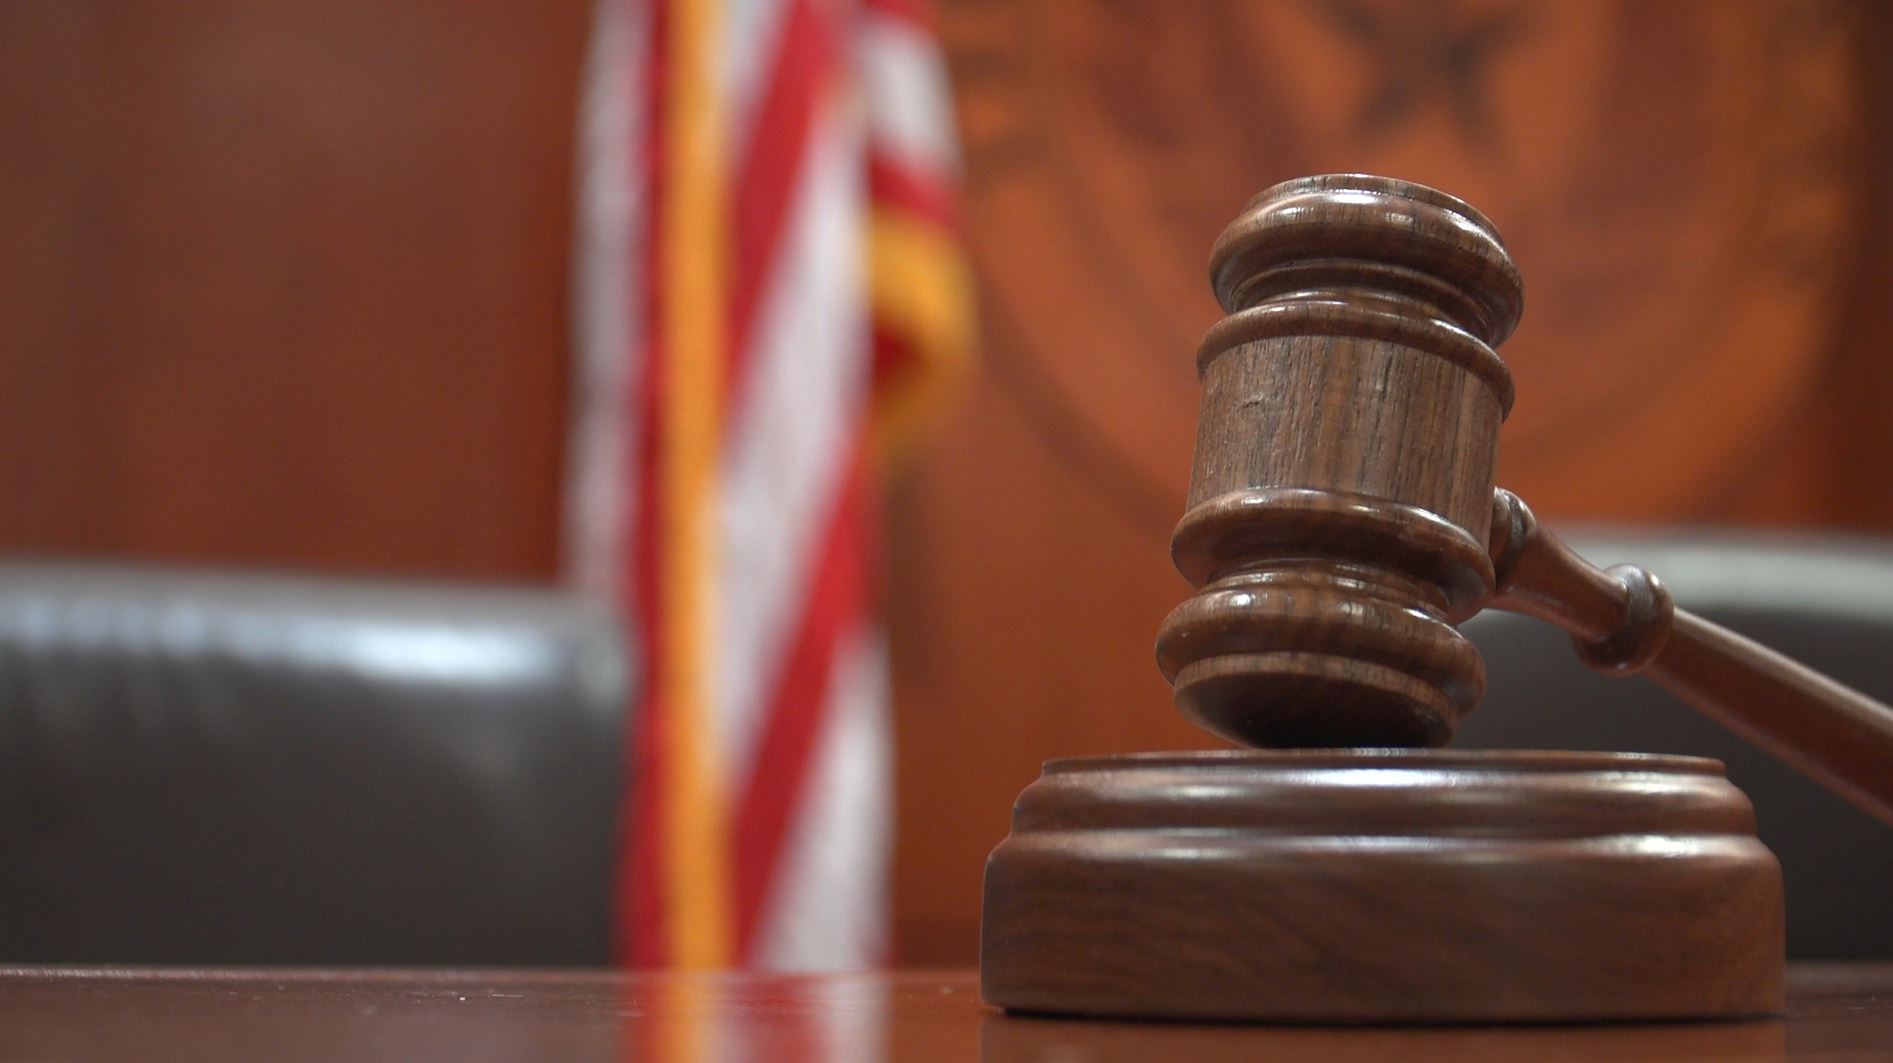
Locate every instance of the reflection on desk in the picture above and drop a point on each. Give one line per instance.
(1836, 1012)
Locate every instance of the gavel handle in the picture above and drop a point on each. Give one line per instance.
(1622, 621)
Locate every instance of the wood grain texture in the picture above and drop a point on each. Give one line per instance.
(1623, 622)
(1340, 492)
(1689, 188)
(1341, 516)
(1834, 1012)
(285, 283)
(1383, 886)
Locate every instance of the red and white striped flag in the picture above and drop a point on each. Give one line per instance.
(769, 294)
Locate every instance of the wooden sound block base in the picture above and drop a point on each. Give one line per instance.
(1384, 886)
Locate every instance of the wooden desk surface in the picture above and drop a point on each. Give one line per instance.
(1838, 1012)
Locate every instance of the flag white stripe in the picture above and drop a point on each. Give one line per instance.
(828, 910)
(798, 417)
(904, 78)
(607, 261)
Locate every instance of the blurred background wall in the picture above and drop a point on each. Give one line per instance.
(286, 282)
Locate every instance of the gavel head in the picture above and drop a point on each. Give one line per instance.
(1341, 494)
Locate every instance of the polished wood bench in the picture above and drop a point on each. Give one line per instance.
(1835, 1011)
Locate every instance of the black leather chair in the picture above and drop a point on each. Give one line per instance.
(209, 767)
(223, 768)
(1826, 602)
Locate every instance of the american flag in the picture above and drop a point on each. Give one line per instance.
(769, 297)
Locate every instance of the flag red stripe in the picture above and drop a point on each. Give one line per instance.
(766, 195)
(836, 605)
(770, 172)
(640, 894)
(894, 358)
(892, 183)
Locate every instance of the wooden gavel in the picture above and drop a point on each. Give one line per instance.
(1342, 516)
(1342, 520)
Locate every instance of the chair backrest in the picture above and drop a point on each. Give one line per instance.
(1824, 601)
(210, 767)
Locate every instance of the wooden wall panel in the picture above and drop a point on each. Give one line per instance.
(284, 282)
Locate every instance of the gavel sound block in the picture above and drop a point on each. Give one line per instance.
(1342, 518)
